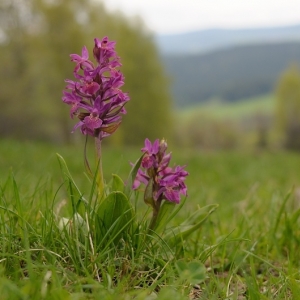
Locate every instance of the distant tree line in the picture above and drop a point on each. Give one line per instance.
(36, 38)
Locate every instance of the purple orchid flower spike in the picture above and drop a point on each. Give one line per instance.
(95, 96)
(162, 181)
(167, 183)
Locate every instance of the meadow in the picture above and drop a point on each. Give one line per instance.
(249, 245)
(219, 124)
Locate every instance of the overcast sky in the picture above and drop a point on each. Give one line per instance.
(176, 16)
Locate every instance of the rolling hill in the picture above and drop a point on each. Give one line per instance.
(230, 74)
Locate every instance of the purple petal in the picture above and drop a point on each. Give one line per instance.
(165, 161)
(85, 53)
(136, 184)
(172, 195)
(155, 146)
(148, 146)
(148, 162)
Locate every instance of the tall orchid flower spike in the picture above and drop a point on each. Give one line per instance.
(95, 96)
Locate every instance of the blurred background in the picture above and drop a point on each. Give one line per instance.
(221, 75)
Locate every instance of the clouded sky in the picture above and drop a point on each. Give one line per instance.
(175, 16)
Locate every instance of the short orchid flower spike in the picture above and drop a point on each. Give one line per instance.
(167, 182)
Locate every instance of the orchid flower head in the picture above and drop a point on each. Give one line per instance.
(168, 183)
(95, 96)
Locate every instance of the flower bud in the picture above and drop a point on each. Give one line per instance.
(162, 147)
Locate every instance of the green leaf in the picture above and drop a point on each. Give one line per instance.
(281, 212)
(294, 218)
(164, 216)
(117, 184)
(199, 214)
(66, 173)
(178, 208)
(194, 272)
(294, 286)
(78, 206)
(193, 223)
(115, 215)
(132, 176)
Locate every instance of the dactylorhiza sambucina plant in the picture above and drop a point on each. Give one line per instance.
(164, 188)
(162, 182)
(95, 96)
(97, 101)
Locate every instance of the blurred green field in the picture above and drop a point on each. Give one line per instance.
(254, 232)
(224, 177)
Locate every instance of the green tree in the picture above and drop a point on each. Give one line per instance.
(149, 111)
(288, 107)
(16, 108)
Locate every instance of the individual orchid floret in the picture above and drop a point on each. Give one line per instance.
(167, 183)
(95, 96)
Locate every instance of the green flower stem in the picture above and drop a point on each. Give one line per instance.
(156, 208)
(99, 178)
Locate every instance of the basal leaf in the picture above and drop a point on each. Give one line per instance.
(193, 223)
(117, 184)
(77, 199)
(66, 173)
(200, 213)
(115, 215)
(194, 272)
(164, 216)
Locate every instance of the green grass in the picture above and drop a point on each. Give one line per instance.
(234, 111)
(249, 246)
